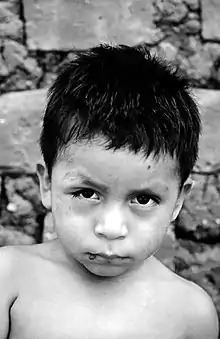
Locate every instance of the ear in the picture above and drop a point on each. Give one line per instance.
(182, 195)
(45, 184)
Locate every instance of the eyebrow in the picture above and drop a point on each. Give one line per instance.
(85, 180)
(88, 181)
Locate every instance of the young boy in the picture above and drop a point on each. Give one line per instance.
(119, 139)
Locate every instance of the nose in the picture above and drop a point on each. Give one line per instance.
(112, 225)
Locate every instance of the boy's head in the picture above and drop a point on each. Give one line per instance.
(129, 97)
(125, 117)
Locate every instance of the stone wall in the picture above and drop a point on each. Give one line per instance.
(37, 36)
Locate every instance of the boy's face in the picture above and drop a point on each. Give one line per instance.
(111, 209)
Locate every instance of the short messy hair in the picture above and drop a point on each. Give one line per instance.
(130, 97)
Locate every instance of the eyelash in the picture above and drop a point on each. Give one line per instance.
(155, 199)
(77, 193)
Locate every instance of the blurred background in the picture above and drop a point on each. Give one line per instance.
(37, 37)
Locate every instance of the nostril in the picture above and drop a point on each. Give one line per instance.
(111, 232)
(99, 230)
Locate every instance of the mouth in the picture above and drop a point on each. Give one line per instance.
(104, 258)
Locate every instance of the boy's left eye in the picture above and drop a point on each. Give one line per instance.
(86, 193)
(145, 200)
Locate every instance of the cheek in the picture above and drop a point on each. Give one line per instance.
(68, 222)
(152, 231)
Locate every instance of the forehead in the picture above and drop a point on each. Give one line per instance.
(91, 159)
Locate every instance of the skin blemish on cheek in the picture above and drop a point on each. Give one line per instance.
(148, 167)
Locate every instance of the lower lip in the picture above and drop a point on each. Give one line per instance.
(99, 259)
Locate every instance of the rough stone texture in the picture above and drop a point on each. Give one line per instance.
(167, 50)
(192, 4)
(13, 5)
(201, 67)
(209, 103)
(200, 218)
(180, 21)
(19, 80)
(62, 24)
(210, 19)
(4, 72)
(20, 205)
(17, 64)
(192, 26)
(20, 119)
(200, 63)
(10, 24)
(15, 55)
(200, 263)
(10, 236)
(171, 10)
(48, 30)
(51, 63)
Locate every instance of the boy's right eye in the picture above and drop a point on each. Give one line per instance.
(86, 193)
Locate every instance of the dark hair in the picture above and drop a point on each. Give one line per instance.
(128, 96)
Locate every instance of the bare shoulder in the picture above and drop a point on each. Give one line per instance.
(7, 257)
(8, 290)
(201, 312)
(195, 305)
(11, 258)
(27, 261)
(15, 260)
(16, 267)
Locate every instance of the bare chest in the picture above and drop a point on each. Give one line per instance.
(58, 310)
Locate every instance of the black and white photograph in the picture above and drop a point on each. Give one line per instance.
(109, 169)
